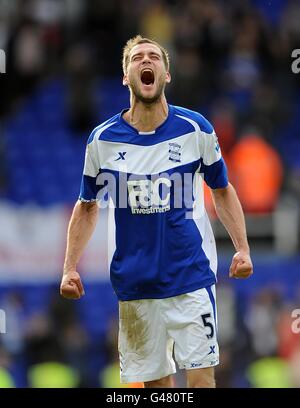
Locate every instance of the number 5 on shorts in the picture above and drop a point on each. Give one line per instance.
(205, 317)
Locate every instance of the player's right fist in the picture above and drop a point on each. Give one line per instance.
(71, 286)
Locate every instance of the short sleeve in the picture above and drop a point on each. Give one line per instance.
(89, 188)
(213, 166)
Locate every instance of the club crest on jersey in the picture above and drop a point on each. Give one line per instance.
(175, 152)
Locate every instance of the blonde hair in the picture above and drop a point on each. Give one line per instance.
(132, 42)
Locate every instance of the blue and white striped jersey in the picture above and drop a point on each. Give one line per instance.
(163, 244)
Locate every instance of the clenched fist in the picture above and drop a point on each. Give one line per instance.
(71, 286)
(241, 266)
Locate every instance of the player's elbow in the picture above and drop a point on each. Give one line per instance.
(89, 209)
(221, 193)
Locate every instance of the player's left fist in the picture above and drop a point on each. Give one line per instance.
(241, 266)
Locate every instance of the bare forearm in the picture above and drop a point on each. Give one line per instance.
(230, 213)
(81, 227)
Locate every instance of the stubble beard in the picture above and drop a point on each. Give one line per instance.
(134, 88)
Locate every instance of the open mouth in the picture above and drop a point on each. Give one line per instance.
(147, 77)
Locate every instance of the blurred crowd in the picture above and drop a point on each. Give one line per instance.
(52, 347)
(231, 61)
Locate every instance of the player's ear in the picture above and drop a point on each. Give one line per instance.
(168, 77)
(125, 80)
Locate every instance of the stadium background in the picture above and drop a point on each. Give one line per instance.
(231, 60)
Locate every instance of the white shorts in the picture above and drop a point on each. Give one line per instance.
(151, 329)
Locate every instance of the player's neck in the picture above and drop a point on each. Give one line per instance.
(147, 117)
